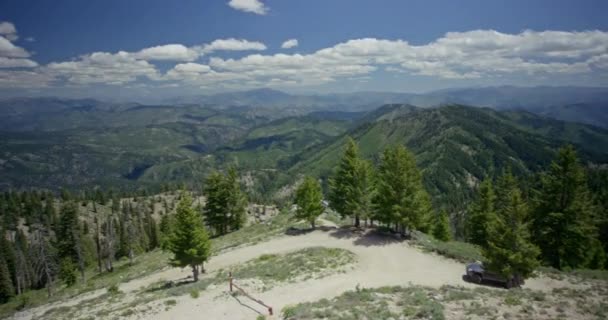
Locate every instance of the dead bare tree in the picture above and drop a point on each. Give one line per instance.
(22, 270)
(98, 244)
(107, 249)
(131, 237)
(43, 257)
(79, 253)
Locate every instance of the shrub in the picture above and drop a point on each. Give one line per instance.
(67, 272)
(512, 300)
(194, 294)
(288, 312)
(461, 251)
(22, 302)
(113, 289)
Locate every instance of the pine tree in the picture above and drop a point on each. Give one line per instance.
(510, 251)
(563, 226)
(598, 184)
(308, 201)
(226, 203)
(68, 222)
(67, 272)
(6, 284)
(69, 237)
(165, 225)
(49, 211)
(363, 194)
(344, 186)
(189, 241)
(441, 227)
(505, 183)
(7, 251)
(65, 195)
(11, 212)
(235, 200)
(152, 232)
(116, 205)
(122, 227)
(141, 227)
(480, 215)
(215, 207)
(401, 198)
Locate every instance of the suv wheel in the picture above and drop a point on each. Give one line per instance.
(476, 278)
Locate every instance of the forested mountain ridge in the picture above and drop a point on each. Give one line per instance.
(155, 144)
(456, 146)
(91, 143)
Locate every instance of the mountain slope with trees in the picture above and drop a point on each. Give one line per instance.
(457, 146)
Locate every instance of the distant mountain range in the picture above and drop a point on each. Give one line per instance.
(576, 104)
(579, 104)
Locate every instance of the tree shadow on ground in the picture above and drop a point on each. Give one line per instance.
(293, 231)
(485, 283)
(236, 297)
(346, 232)
(376, 237)
(367, 237)
(172, 284)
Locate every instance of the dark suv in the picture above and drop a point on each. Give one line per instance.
(476, 273)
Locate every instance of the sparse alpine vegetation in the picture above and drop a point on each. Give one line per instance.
(448, 302)
(301, 265)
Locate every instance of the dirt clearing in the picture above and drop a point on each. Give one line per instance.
(380, 261)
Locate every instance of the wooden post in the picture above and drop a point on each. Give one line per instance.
(246, 294)
(230, 279)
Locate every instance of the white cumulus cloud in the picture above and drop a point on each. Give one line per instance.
(187, 71)
(476, 54)
(291, 43)
(24, 79)
(456, 55)
(8, 30)
(173, 52)
(8, 49)
(12, 56)
(232, 44)
(253, 6)
(103, 67)
(16, 63)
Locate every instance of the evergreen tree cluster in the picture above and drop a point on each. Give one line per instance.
(392, 193)
(225, 206)
(185, 234)
(556, 221)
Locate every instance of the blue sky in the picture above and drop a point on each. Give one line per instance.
(154, 48)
